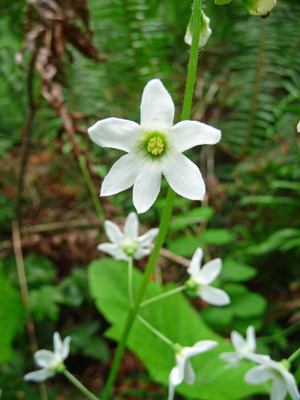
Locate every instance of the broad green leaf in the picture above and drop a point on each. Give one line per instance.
(237, 272)
(11, 316)
(176, 319)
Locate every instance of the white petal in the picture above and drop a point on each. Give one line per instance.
(211, 270)
(113, 250)
(115, 133)
(237, 340)
(57, 344)
(157, 107)
(189, 374)
(148, 237)
(233, 358)
(183, 176)
(188, 134)
(177, 374)
(298, 127)
(214, 296)
(251, 341)
(65, 348)
(291, 385)
(200, 347)
(141, 253)
(131, 228)
(39, 376)
(113, 232)
(147, 186)
(258, 375)
(279, 390)
(44, 358)
(195, 263)
(121, 176)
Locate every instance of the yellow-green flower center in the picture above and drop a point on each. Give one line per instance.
(155, 146)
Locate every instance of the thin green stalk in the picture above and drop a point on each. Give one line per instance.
(79, 386)
(91, 187)
(294, 356)
(130, 295)
(155, 331)
(193, 61)
(186, 111)
(163, 295)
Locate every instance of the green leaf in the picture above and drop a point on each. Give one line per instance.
(218, 318)
(176, 319)
(11, 317)
(194, 216)
(216, 236)
(184, 246)
(237, 272)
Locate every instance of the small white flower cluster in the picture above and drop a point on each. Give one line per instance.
(50, 362)
(283, 382)
(127, 244)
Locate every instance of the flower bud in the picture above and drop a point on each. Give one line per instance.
(205, 31)
(259, 7)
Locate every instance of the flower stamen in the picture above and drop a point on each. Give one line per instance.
(155, 146)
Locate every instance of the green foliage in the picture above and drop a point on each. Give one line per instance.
(237, 272)
(11, 316)
(85, 341)
(108, 277)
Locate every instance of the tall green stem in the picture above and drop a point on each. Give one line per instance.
(186, 111)
(79, 386)
(130, 295)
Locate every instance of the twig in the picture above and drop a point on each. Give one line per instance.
(25, 297)
(26, 137)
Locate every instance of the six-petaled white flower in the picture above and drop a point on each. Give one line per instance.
(259, 7)
(154, 149)
(205, 31)
(50, 362)
(183, 370)
(202, 277)
(283, 381)
(241, 346)
(127, 244)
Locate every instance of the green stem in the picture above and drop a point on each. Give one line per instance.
(294, 356)
(91, 187)
(130, 261)
(155, 331)
(163, 295)
(79, 386)
(186, 111)
(193, 61)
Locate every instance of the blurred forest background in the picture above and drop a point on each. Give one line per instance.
(64, 64)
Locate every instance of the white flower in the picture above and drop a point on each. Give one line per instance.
(154, 149)
(183, 371)
(283, 381)
(50, 362)
(298, 127)
(205, 32)
(202, 277)
(241, 346)
(127, 244)
(260, 7)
